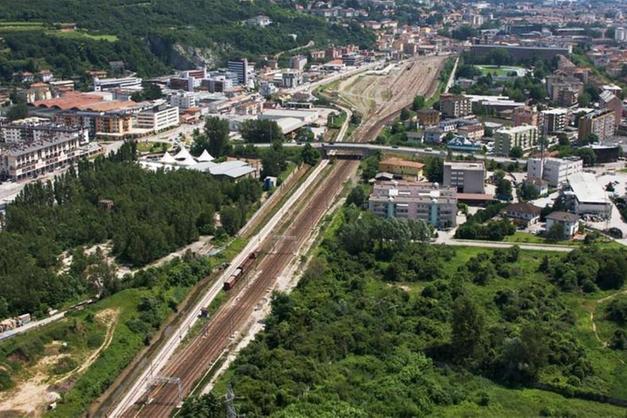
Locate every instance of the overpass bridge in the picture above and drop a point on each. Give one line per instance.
(357, 150)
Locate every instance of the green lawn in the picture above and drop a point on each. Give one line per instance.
(79, 35)
(525, 237)
(497, 71)
(7, 27)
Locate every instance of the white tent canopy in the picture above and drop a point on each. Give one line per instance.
(205, 157)
(168, 158)
(183, 155)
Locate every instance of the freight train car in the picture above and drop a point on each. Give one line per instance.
(239, 271)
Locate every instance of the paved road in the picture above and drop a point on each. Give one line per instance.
(501, 244)
(31, 325)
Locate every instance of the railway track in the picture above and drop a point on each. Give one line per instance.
(190, 364)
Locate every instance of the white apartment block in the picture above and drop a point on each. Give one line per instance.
(158, 118)
(183, 100)
(555, 170)
(523, 136)
(427, 202)
(31, 159)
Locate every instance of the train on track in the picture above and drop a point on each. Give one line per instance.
(239, 271)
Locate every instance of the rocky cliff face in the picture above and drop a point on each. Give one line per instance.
(184, 57)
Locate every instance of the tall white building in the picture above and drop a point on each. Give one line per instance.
(555, 170)
(158, 118)
(183, 100)
(620, 34)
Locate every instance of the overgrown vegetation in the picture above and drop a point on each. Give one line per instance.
(410, 329)
(144, 214)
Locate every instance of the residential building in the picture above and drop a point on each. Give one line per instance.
(455, 106)
(292, 78)
(427, 202)
(352, 59)
(608, 100)
(568, 221)
(298, 62)
(524, 137)
(601, 123)
(428, 117)
(555, 170)
(471, 131)
(525, 115)
(241, 69)
(261, 21)
(31, 159)
(401, 167)
(587, 196)
(541, 186)
(620, 34)
(465, 176)
(158, 118)
(183, 100)
(523, 213)
(554, 120)
(38, 129)
(127, 83)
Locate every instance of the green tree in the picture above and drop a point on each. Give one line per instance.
(587, 155)
(310, 155)
(205, 406)
(357, 196)
(261, 131)
(273, 161)
(516, 152)
(556, 232)
(405, 115)
(418, 103)
(434, 170)
(504, 189)
(468, 327)
(17, 111)
(217, 132)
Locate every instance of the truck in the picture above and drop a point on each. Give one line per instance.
(239, 271)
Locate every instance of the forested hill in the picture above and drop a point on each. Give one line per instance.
(156, 26)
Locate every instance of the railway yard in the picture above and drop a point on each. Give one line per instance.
(257, 271)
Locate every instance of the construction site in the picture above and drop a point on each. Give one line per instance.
(272, 254)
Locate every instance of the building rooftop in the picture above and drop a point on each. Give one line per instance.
(465, 165)
(587, 189)
(562, 217)
(523, 207)
(402, 163)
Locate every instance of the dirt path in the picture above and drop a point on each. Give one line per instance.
(31, 397)
(593, 325)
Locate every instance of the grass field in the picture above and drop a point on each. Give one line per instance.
(12, 27)
(500, 71)
(83, 35)
(525, 237)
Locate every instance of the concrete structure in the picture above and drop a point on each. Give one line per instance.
(291, 79)
(524, 136)
(401, 167)
(31, 159)
(36, 129)
(601, 123)
(241, 68)
(464, 176)
(568, 221)
(608, 100)
(428, 117)
(554, 120)
(555, 170)
(127, 83)
(587, 197)
(455, 106)
(427, 202)
(298, 62)
(525, 115)
(522, 52)
(158, 118)
(183, 100)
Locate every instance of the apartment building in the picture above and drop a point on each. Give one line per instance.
(455, 106)
(609, 100)
(183, 100)
(401, 167)
(427, 202)
(554, 170)
(428, 117)
(524, 136)
(464, 176)
(292, 78)
(241, 68)
(31, 159)
(554, 120)
(601, 123)
(298, 62)
(158, 118)
(525, 115)
(36, 129)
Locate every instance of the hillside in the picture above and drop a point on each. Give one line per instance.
(152, 35)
